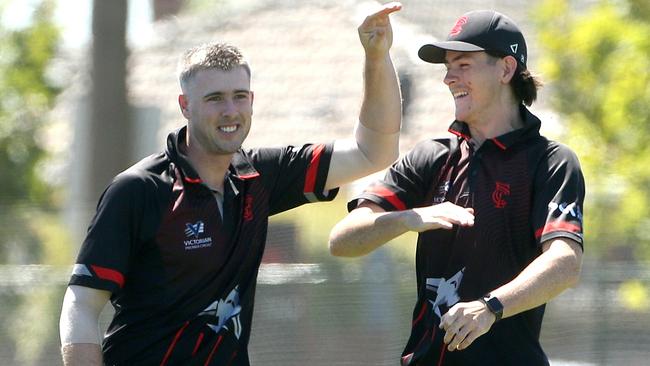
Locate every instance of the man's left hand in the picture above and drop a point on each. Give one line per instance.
(464, 322)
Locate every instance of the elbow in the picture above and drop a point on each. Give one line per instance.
(574, 279)
(339, 246)
(383, 160)
(573, 269)
(335, 247)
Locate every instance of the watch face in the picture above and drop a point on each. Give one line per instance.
(495, 306)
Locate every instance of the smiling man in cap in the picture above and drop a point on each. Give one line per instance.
(497, 206)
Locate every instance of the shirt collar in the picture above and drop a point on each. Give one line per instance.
(240, 165)
(531, 128)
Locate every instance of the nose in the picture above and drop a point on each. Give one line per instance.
(450, 77)
(229, 108)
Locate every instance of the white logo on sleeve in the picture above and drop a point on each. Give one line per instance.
(566, 209)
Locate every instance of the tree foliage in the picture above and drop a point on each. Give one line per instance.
(598, 62)
(26, 96)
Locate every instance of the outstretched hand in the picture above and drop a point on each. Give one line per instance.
(376, 33)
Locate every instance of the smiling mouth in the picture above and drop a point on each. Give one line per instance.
(460, 94)
(228, 129)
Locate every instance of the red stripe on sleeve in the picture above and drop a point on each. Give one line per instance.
(109, 274)
(312, 171)
(557, 226)
(389, 196)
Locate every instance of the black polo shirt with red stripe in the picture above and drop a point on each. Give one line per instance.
(525, 190)
(182, 276)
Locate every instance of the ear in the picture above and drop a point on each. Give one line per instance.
(509, 69)
(183, 103)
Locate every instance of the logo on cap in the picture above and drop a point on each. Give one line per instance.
(514, 47)
(458, 27)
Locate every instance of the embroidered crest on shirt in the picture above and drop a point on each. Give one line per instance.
(446, 291)
(193, 233)
(194, 230)
(224, 313)
(501, 191)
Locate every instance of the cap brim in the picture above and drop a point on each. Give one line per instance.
(434, 52)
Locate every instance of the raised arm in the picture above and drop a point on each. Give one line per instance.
(369, 226)
(79, 325)
(376, 143)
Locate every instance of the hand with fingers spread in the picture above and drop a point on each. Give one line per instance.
(464, 323)
(441, 216)
(376, 33)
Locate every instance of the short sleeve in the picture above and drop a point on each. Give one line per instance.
(559, 194)
(112, 236)
(298, 174)
(408, 181)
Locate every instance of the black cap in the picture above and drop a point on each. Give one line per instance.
(480, 30)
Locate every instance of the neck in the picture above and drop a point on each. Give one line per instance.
(212, 168)
(496, 124)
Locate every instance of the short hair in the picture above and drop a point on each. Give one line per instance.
(523, 83)
(221, 56)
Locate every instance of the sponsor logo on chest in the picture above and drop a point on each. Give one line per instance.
(193, 234)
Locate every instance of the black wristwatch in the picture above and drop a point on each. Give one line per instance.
(494, 305)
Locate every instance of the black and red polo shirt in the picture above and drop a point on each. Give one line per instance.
(182, 276)
(525, 190)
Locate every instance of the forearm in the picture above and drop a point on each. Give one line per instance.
(82, 354)
(546, 277)
(381, 109)
(362, 231)
(376, 136)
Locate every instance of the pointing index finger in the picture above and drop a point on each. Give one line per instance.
(388, 8)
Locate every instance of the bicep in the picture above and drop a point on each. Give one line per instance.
(80, 314)
(368, 206)
(563, 245)
(347, 164)
(565, 256)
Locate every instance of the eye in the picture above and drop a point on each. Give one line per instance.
(241, 96)
(215, 98)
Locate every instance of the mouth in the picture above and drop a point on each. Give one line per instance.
(459, 94)
(228, 129)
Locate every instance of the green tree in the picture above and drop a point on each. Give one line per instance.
(25, 98)
(30, 231)
(597, 61)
